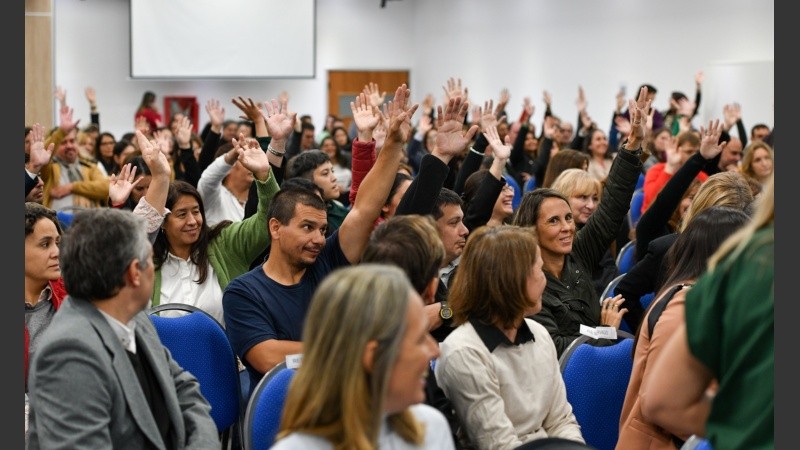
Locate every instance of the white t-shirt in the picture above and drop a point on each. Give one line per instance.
(437, 435)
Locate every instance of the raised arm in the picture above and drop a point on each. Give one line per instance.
(216, 115)
(451, 140)
(91, 97)
(357, 226)
(366, 118)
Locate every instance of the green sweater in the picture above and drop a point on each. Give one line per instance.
(238, 244)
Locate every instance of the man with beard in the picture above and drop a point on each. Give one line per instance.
(264, 309)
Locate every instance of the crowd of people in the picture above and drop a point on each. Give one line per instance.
(434, 265)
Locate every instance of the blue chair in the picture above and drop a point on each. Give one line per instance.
(626, 257)
(596, 379)
(263, 414)
(696, 442)
(199, 344)
(530, 184)
(517, 191)
(635, 212)
(640, 182)
(646, 299)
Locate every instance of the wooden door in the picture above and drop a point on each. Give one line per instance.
(345, 85)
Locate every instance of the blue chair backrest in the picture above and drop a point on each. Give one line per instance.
(517, 191)
(65, 218)
(646, 299)
(596, 379)
(199, 344)
(626, 258)
(636, 207)
(263, 416)
(530, 184)
(640, 181)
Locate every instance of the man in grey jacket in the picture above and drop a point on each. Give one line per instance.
(101, 377)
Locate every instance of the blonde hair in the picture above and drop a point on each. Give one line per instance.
(721, 189)
(572, 182)
(332, 395)
(763, 216)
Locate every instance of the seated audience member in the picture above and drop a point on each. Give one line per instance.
(570, 299)
(265, 307)
(412, 243)
(194, 262)
(44, 287)
(316, 166)
(600, 159)
(647, 275)
(341, 166)
(371, 393)
(758, 162)
(225, 186)
(583, 192)
(728, 336)
(68, 181)
(100, 377)
(500, 369)
(688, 144)
(563, 160)
(685, 261)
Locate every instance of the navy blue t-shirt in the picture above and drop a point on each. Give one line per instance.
(257, 308)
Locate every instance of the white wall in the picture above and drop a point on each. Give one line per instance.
(523, 45)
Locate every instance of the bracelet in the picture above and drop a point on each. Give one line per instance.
(472, 149)
(275, 152)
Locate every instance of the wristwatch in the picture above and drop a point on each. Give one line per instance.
(446, 312)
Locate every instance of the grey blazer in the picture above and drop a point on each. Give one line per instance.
(84, 392)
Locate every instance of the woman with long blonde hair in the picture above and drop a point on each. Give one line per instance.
(361, 383)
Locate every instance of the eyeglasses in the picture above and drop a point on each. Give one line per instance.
(508, 188)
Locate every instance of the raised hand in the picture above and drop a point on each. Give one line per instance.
(580, 102)
(120, 186)
(252, 157)
(39, 155)
(731, 112)
(620, 97)
(623, 125)
(142, 125)
(399, 106)
(91, 97)
(547, 98)
(374, 94)
(638, 110)
(66, 122)
(249, 108)
(425, 124)
(451, 139)
(216, 113)
(163, 141)
(699, 77)
(365, 115)
(499, 149)
(152, 155)
(280, 121)
(505, 96)
(527, 109)
(454, 89)
(710, 146)
(428, 103)
(586, 121)
(183, 135)
(379, 134)
(486, 117)
(672, 156)
(61, 96)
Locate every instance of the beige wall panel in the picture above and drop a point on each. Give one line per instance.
(38, 63)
